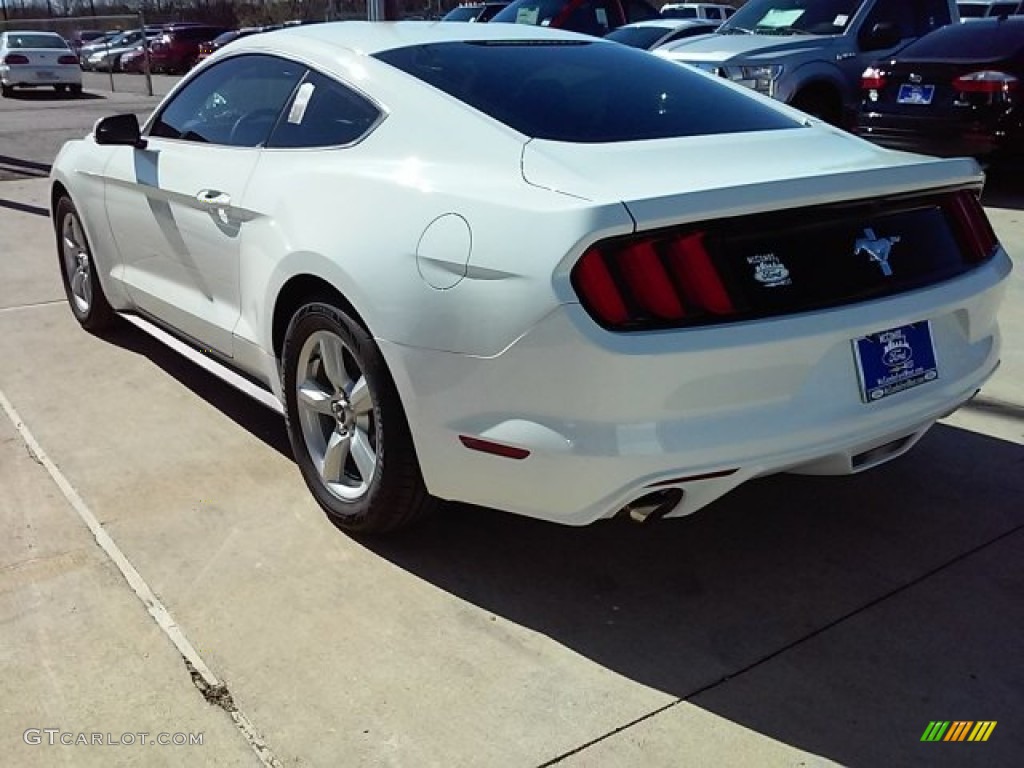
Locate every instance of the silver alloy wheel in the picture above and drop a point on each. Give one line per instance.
(336, 414)
(77, 264)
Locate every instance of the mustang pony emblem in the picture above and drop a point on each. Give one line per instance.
(877, 249)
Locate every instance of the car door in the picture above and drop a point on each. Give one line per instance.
(174, 206)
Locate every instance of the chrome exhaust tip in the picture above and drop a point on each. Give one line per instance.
(653, 506)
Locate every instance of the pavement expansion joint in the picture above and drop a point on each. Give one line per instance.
(213, 690)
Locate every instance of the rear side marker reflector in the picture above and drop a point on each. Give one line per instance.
(495, 449)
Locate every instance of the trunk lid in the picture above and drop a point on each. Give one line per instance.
(675, 181)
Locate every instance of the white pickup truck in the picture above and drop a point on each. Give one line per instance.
(811, 53)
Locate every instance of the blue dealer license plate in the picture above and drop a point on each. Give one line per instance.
(895, 360)
(915, 94)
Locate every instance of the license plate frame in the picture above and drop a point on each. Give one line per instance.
(895, 360)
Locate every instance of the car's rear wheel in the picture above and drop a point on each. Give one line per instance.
(85, 294)
(346, 424)
(76, 89)
(6, 91)
(60, 88)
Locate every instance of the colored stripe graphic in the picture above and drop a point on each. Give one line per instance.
(982, 730)
(958, 730)
(935, 730)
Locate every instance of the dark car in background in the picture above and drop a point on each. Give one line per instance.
(474, 12)
(591, 17)
(177, 49)
(211, 46)
(956, 91)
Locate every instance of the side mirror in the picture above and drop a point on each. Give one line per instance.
(121, 130)
(883, 35)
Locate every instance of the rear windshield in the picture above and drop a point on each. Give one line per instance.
(584, 92)
(638, 37)
(463, 13)
(35, 41)
(679, 13)
(977, 41)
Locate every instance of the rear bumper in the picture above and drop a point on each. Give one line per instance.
(23, 76)
(941, 138)
(608, 418)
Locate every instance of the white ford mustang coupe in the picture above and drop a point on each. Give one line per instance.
(531, 270)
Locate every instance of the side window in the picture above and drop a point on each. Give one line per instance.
(637, 10)
(899, 13)
(593, 17)
(234, 103)
(323, 113)
(932, 14)
(1000, 9)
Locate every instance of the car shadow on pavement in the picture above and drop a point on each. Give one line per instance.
(258, 420)
(51, 95)
(839, 615)
(1004, 188)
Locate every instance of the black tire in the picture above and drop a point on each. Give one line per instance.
(821, 104)
(96, 315)
(60, 88)
(6, 91)
(76, 89)
(394, 496)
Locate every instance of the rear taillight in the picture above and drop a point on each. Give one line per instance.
(15, 58)
(986, 81)
(650, 281)
(68, 60)
(873, 79)
(971, 225)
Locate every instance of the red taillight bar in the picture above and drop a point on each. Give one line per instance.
(872, 79)
(68, 60)
(986, 81)
(650, 281)
(594, 281)
(972, 226)
(15, 58)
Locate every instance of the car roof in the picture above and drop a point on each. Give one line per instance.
(370, 37)
(30, 32)
(673, 24)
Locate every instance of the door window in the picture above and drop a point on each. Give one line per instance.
(324, 113)
(234, 103)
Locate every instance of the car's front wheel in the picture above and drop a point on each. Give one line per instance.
(346, 424)
(78, 270)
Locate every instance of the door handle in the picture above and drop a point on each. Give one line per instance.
(213, 197)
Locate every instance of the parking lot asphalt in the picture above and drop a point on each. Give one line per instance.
(798, 621)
